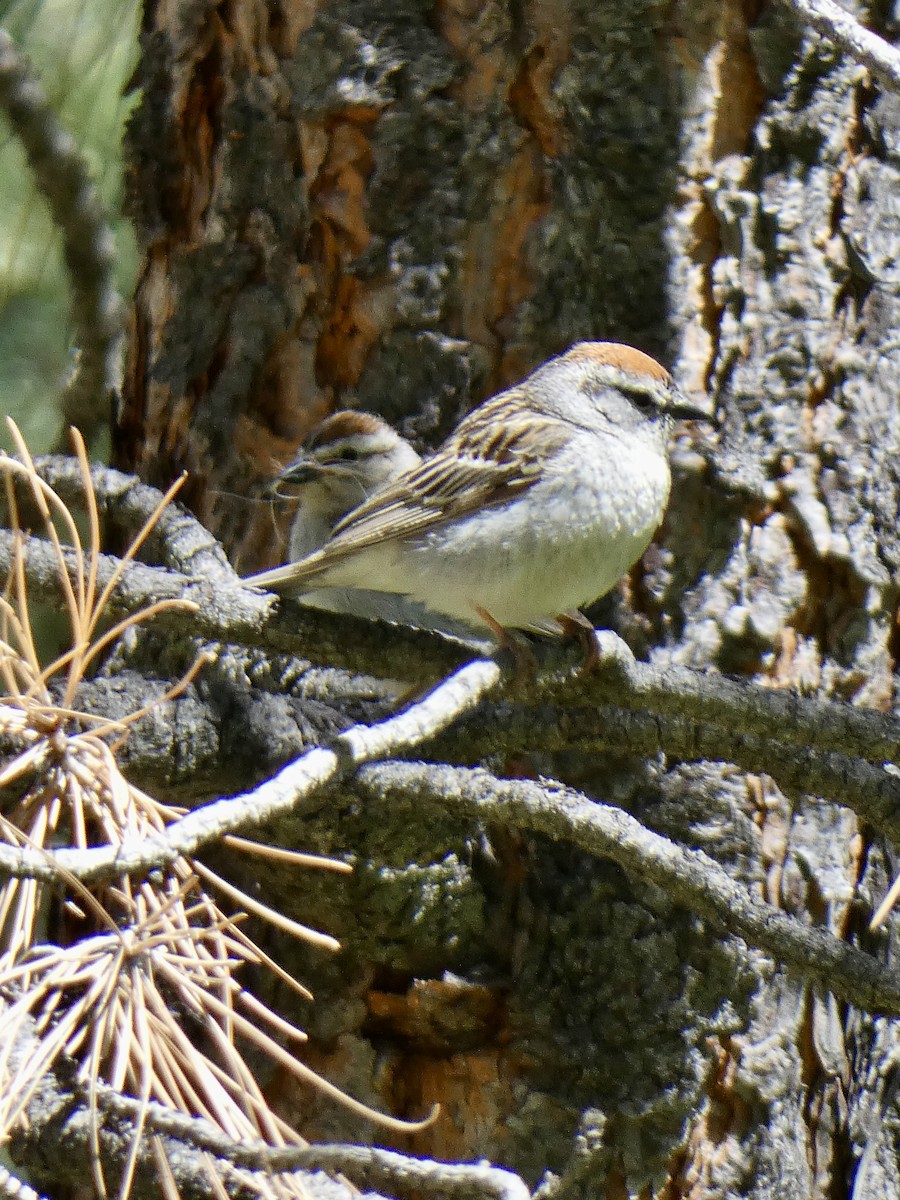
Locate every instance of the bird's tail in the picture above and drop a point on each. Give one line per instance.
(291, 579)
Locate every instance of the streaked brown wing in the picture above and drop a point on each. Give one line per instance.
(490, 457)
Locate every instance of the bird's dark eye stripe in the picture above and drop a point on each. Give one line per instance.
(337, 452)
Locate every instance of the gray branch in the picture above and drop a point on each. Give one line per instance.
(690, 877)
(12, 1188)
(60, 1104)
(178, 538)
(871, 790)
(300, 781)
(714, 699)
(66, 1106)
(229, 612)
(226, 611)
(839, 27)
(701, 714)
(365, 1166)
(820, 747)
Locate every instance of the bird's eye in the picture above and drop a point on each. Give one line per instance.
(642, 401)
(349, 455)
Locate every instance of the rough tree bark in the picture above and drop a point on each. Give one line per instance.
(404, 206)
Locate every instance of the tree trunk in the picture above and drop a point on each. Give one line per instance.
(404, 207)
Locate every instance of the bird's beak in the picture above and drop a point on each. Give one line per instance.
(300, 471)
(684, 409)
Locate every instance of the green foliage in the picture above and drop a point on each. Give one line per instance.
(83, 52)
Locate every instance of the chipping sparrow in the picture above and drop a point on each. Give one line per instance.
(344, 460)
(536, 504)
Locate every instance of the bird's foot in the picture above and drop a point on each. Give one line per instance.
(575, 624)
(603, 649)
(526, 667)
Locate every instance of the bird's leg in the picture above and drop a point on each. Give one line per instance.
(575, 624)
(526, 667)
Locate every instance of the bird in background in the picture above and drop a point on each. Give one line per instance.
(342, 463)
(345, 459)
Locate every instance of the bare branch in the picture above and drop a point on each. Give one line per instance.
(717, 700)
(190, 1139)
(690, 714)
(435, 712)
(228, 611)
(872, 791)
(233, 613)
(298, 781)
(839, 27)
(67, 1107)
(690, 877)
(184, 544)
(365, 1166)
(12, 1188)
